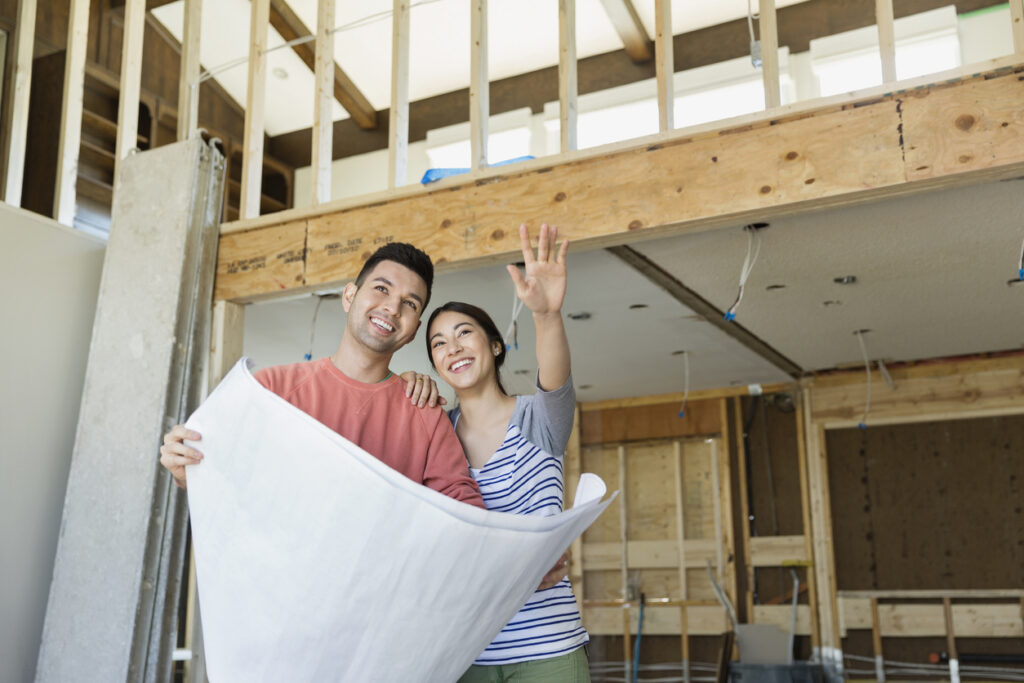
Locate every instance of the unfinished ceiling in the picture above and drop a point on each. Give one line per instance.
(931, 281)
(523, 37)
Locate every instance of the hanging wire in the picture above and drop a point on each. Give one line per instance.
(1020, 263)
(753, 250)
(312, 325)
(364, 21)
(863, 424)
(750, 21)
(686, 382)
(512, 331)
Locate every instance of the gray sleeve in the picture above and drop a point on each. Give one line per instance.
(546, 418)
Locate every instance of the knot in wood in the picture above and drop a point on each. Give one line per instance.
(635, 225)
(560, 197)
(964, 122)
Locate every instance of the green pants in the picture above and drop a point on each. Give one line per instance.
(568, 668)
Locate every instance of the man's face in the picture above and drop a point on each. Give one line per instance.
(384, 313)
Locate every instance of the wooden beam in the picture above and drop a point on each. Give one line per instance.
(649, 554)
(805, 516)
(631, 30)
(754, 167)
(677, 397)
(188, 77)
(21, 86)
(934, 392)
(702, 620)
(702, 307)
(886, 39)
(398, 126)
(287, 23)
(573, 469)
(916, 620)
(1017, 25)
(768, 32)
(876, 642)
(479, 92)
(323, 123)
(131, 81)
(567, 82)
(71, 113)
(252, 146)
(664, 64)
(725, 492)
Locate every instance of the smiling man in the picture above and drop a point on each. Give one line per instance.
(354, 391)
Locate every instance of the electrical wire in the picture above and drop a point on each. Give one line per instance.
(750, 21)
(512, 331)
(686, 382)
(753, 251)
(312, 329)
(363, 21)
(863, 424)
(1020, 263)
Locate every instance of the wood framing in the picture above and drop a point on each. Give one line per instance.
(398, 126)
(188, 77)
(71, 113)
(886, 39)
(479, 90)
(768, 32)
(252, 152)
(664, 61)
(21, 85)
(1017, 25)
(290, 27)
(754, 167)
(323, 123)
(573, 469)
(631, 31)
(567, 81)
(131, 80)
(917, 620)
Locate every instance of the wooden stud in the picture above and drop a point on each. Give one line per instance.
(71, 113)
(398, 128)
(876, 641)
(769, 33)
(631, 31)
(664, 63)
(886, 39)
(567, 82)
(821, 529)
(252, 151)
(623, 522)
(323, 123)
(954, 660)
(188, 80)
(1017, 25)
(627, 645)
(805, 516)
(21, 86)
(131, 80)
(680, 478)
(725, 493)
(744, 509)
(717, 498)
(479, 87)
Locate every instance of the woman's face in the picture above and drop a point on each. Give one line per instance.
(460, 350)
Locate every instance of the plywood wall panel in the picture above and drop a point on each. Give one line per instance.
(658, 421)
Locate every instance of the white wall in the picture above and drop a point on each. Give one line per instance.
(50, 279)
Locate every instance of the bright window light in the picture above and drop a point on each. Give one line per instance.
(508, 144)
(622, 122)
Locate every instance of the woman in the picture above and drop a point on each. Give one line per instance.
(515, 445)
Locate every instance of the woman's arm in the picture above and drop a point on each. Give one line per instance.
(542, 290)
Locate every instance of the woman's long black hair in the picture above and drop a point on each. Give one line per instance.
(486, 324)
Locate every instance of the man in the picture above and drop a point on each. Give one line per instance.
(355, 393)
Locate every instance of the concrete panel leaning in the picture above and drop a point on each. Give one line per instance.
(117, 575)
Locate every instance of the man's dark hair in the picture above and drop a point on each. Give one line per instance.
(486, 324)
(404, 255)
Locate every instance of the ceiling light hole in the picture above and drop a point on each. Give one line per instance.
(831, 302)
(678, 353)
(521, 371)
(772, 288)
(636, 307)
(579, 315)
(845, 279)
(280, 73)
(1011, 283)
(584, 387)
(755, 226)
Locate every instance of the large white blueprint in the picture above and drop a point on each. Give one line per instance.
(317, 562)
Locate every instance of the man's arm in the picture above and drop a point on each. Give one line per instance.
(446, 470)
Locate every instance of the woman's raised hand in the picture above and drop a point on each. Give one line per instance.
(542, 289)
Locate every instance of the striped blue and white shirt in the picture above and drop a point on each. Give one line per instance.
(524, 477)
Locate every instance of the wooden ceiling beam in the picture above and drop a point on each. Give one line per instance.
(953, 129)
(631, 30)
(290, 26)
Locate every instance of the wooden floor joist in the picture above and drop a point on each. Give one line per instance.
(823, 154)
